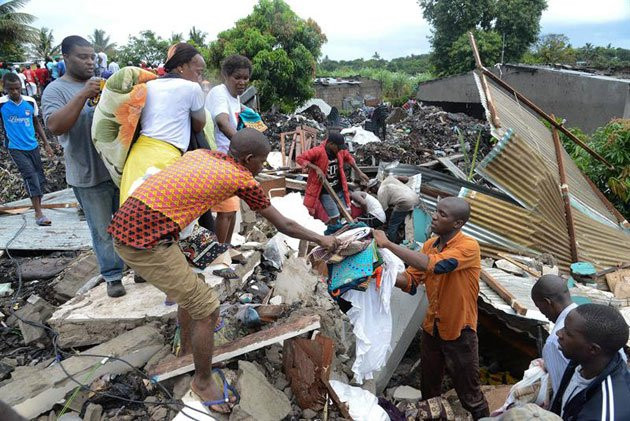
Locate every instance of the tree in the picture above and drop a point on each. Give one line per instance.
(147, 47)
(100, 41)
(517, 22)
(283, 48)
(176, 38)
(554, 48)
(197, 37)
(45, 45)
(461, 56)
(15, 30)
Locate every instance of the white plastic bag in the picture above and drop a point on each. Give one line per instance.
(362, 405)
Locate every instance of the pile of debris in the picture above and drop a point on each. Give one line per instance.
(429, 133)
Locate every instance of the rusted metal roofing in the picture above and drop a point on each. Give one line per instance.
(523, 165)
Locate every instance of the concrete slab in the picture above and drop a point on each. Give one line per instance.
(258, 397)
(94, 318)
(295, 283)
(408, 313)
(40, 391)
(77, 273)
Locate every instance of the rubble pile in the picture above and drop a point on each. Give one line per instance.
(278, 123)
(426, 135)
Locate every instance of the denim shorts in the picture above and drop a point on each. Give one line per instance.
(330, 206)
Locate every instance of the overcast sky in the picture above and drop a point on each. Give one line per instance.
(354, 28)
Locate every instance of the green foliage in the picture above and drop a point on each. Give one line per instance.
(45, 45)
(147, 47)
(612, 142)
(555, 49)
(197, 37)
(14, 25)
(397, 87)
(283, 48)
(461, 55)
(551, 49)
(515, 22)
(100, 42)
(411, 65)
(11, 52)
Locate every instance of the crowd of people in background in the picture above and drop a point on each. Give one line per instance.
(195, 154)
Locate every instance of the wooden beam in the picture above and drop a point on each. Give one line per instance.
(484, 82)
(620, 218)
(503, 293)
(342, 208)
(239, 347)
(515, 262)
(564, 189)
(23, 208)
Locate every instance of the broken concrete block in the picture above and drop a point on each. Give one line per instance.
(509, 267)
(43, 268)
(296, 282)
(40, 391)
(79, 271)
(95, 317)
(93, 412)
(407, 394)
(258, 397)
(5, 290)
(309, 414)
(245, 271)
(181, 386)
(239, 415)
(36, 310)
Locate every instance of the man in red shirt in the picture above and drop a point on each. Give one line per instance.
(326, 162)
(31, 86)
(449, 266)
(42, 77)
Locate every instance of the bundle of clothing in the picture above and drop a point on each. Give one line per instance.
(361, 278)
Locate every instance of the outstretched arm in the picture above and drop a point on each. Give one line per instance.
(293, 229)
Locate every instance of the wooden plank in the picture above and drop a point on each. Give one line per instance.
(503, 293)
(342, 208)
(239, 347)
(14, 210)
(515, 262)
(452, 168)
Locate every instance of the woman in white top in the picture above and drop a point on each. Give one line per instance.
(224, 106)
(174, 106)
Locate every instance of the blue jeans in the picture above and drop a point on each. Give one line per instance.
(99, 204)
(329, 204)
(396, 218)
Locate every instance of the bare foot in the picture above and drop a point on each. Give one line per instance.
(209, 392)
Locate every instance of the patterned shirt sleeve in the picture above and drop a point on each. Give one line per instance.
(253, 194)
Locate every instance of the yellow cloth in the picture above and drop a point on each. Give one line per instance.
(145, 153)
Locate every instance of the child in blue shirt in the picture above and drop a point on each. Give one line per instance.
(19, 119)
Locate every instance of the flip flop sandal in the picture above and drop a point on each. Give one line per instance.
(43, 221)
(227, 273)
(219, 325)
(227, 388)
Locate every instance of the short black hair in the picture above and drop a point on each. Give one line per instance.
(10, 78)
(183, 54)
(72, 41)
(605, 326)
(234, 62)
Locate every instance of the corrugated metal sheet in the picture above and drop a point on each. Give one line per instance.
(523, 165)
(67, 231)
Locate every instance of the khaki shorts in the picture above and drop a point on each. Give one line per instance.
(166, 268)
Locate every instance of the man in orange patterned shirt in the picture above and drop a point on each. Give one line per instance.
(146, 229)
(448, 266)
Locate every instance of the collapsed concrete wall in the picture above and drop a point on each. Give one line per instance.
(335, 92)
(584, 100)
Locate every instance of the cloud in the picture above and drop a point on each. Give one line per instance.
(586, 11)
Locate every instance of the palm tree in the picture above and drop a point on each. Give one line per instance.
(175, 38)
(197, 37)
(14, 25)
(100, 41)
(44, 45)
